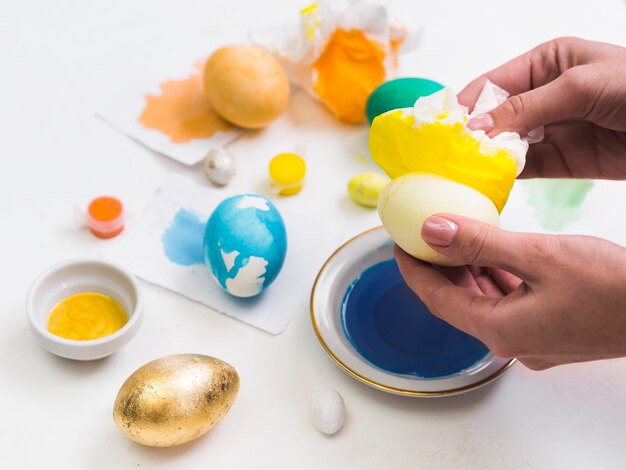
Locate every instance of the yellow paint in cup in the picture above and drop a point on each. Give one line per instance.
(287, 171)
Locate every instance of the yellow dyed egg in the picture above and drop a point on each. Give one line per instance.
(444, 149)
(408, 200)
(246, 86)
(175, 399)
(365, 188)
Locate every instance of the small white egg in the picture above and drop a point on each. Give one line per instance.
(327, 410)
(219, 166)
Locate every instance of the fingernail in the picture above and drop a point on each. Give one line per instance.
(482, 122)
(438, 231)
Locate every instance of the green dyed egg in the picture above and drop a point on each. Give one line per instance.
(398, 93)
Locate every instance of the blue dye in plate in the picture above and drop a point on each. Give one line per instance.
(394, 331)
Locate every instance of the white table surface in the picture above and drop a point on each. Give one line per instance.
(60, 62)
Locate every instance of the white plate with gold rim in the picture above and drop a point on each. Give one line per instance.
(338, 274)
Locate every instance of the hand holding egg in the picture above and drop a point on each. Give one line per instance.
(440, 166)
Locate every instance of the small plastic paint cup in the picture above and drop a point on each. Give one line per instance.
(287, 171)
(105, 217)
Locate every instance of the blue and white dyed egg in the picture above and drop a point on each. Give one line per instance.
(245, 244)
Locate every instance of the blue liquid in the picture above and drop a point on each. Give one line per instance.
(394, 331)
(183, 239)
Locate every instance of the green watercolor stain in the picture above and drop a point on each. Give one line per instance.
(557, 202)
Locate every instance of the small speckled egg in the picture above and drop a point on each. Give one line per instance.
(246, 86)
(175, 399)
(245, 244)
(365, 188)
(399, 93)
(219, 166)
(327, 411)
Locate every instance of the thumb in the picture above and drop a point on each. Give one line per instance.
(565, 98)
(476, 243)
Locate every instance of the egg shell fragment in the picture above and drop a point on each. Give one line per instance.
(327, 411)
(175, 399)
(408, 200)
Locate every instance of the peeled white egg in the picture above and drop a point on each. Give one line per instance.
(327, 410)
(408, 200)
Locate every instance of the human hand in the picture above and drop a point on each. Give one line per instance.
(564, 302)
(577, 90)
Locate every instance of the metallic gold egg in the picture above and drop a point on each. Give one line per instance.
(175, 399)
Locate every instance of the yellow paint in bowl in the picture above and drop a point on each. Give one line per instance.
(287, 172)
(86, 316)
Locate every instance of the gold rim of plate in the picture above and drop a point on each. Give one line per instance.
(371, 382)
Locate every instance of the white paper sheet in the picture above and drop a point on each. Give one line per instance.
(141, 250)
(123, 114)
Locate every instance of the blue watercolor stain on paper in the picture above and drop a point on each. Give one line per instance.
(393, 330)
(183, 239)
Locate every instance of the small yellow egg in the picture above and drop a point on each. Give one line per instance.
(246, 86)
(408, 200)
(287, 172)
(365, 188)
(175, 399)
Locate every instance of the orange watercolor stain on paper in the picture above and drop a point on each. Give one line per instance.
(348, 70)
(395, 45)
(182, 111)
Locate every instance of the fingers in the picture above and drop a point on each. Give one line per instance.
(537, 363)
(485, 282)
(537, 67)
(475, 243)
(506, 281)
(460, 276)
(459, 306)
(570, 96)
(545, 160)
(576, 149)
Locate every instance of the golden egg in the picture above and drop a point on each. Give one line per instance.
(175, 399)
(246, 86)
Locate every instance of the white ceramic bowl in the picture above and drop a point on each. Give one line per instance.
(338, 273)
(83, 275)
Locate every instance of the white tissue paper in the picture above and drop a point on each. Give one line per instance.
(493, 96)
(298, 45)
(443, 106)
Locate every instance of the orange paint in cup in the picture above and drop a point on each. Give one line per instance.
(105, 217)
